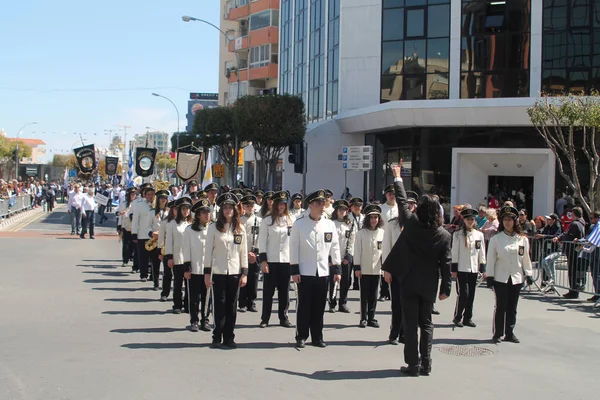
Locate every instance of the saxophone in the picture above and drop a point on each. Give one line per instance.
(151, 244)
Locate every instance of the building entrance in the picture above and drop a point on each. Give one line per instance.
(518, 189)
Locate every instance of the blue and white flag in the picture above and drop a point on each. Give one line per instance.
(594, 237)
(130, 168)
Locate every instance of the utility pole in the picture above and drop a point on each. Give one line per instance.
(124, 127)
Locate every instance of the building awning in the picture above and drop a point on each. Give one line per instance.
(436, 113)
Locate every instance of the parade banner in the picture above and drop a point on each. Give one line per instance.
(86, 158)
(188, 164)
(101, 199)
(110, 165)
(144, 161)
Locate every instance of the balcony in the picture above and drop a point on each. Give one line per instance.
(238, 44)
(266, 72)
(244, 11)
(268, 35)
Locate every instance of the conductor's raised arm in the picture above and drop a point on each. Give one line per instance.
(404, 214)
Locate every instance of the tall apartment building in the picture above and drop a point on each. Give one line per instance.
(158, 140)
(249, 61)
(442, 84)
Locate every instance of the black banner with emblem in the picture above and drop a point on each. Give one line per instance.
(86, 158)
(144, 161)
(110, 165)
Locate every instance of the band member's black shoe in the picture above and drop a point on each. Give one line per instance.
(457, 323)
(205, 327)
(344, 309)
(319, 343)
(512, 339)
(470, 324)
(252, 308)
(300, 344)
(497, 339)
(410, 371)
(286, 324)
(373, 323)
(362, 323)
(425, 370)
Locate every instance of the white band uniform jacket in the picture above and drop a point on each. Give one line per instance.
(346, 237)
(143, 216)
(391, 233)
(274, 239)
(174, 241)
(194, 243)
(162, 234)
(296, 212)
(214, 211)
(158, 221)
(388, 212)
(368, 250)
(358, 221)
(312, 244)
(472, 257)
(252, 226)
(508, 257)
(125, 220)
(226, 252)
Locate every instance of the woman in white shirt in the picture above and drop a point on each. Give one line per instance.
(162, 236)
(194, 241)
(160, 215)
(123, 212)
(226, 267)
(296, 209)
(346, 235)
(468, 259)
(267, 204)
(508, 266)
(274, 245)
(174, 250)
(367, 263)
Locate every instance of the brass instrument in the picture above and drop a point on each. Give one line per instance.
(151, 244)
(158, 185)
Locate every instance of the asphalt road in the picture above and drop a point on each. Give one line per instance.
(76, 325)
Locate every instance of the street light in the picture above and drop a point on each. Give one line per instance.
(176, 110)
(17, 149)
(187, 18)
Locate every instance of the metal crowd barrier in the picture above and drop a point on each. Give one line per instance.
(13, 205)
(571, 266)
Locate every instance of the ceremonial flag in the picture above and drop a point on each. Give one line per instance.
(207, 179)
(130, 168)
(66, 178)
(594, 237)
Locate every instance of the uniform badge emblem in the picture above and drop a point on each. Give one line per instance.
(379, 245)
(521, 250)
(348, 233)
(478, 244)
(328, 237)
(237, 239)
(205, 203)
(255, 230)
(228, 197)
(507, 209)
(321, 194)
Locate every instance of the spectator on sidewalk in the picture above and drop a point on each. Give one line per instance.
(74, 209)
(88, 208)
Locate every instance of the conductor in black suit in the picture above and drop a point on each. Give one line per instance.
(422, 251)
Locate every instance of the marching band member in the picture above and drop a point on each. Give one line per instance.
(389, 209)
(328, 203)
(162, 236)
(226, 268)
(174, 250)
(251, 222)
(274, 245)
(211, 193)
(259, 194)
(314, 251)
(296, 210)
(468, 259)
(128, 248)
(391, 233)
(508, 266)
(192, 186)
(143, 215)
(267, 204)
(160, 215)
(346, 236)
(355, 216)
(367, 264)
(194, 240)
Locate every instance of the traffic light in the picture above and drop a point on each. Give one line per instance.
(14, 153)
(296, 157)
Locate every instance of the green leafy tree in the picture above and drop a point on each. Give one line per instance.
(568, 125)
(271, 123)
(7, 159)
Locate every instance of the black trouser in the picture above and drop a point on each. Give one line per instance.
(179, 302)
(368, 296)
(277, 278)
(143, 258)
(225, 294)
(167, 278)
(466, 282)
(577, 271)
(416, 313)
(198, 299)
(249, 292)
(87, 222)
(505, 314)
(155, 265)
(101, 210)
(396, 331)
(128, 249)
(310, 307)
(385, 289)
(344, 287)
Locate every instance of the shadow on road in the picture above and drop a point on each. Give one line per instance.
(577, 305)
(108, 281)
(165, 346)
(108, 261)
(97, 266)
(329, 375)
(148, 330)
(136, 312)
(124, 289)
(108, 273)
(131, 300)
(461, 341)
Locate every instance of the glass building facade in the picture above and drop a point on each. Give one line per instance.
(571, 46)
(309, 54)
(415, 51)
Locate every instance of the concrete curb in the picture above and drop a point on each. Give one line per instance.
(8, 222)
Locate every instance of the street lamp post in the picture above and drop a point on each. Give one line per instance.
(177, 111)
(17, 149)
(187, 18)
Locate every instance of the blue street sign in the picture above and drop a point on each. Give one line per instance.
(344, 157)
(344, 165)
(72, 173)
(345, 150)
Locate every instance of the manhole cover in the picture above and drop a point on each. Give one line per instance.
(466, 351)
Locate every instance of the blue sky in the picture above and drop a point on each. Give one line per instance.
(55, 55)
